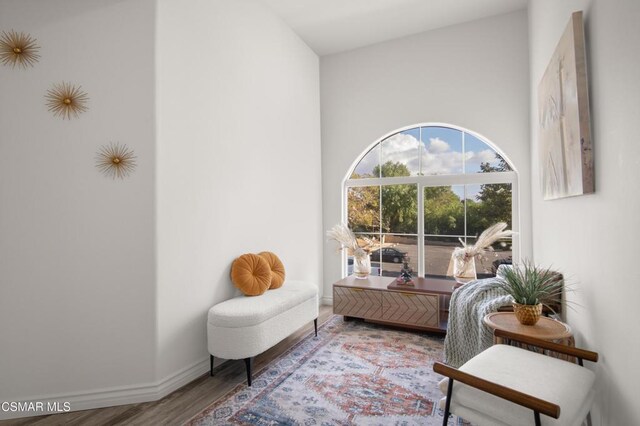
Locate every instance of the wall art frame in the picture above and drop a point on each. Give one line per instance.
(565, 145)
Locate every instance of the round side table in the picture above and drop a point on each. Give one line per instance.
(545, 329)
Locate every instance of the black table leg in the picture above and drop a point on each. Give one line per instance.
(247, 363)
(315, 326)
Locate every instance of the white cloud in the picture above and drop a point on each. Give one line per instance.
(402, 148)
(437, 145)
(400, 141)
(441, 163)
(437, 156)
(486, 156)
(475, 158)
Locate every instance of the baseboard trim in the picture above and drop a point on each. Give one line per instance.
(110, 397)
(120, 395)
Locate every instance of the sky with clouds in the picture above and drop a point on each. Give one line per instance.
(441, 153)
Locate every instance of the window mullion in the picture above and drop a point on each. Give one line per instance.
(465, 215)
(421, 253)
(380, 231)
(438, 180)
(420, 148)
(464, 156)
(345, 220)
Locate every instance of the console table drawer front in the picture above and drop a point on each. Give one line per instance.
(411, 308)
(358, 303)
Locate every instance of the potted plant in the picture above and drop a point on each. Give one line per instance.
(531, 287)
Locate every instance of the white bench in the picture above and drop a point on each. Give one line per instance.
(243, 327)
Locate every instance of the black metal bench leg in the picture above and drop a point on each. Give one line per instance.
(247, 363)
(211, 361)
(447, 405)
(536, 417)
(315, 326)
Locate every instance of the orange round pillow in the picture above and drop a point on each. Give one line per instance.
(251, 274)
(277, 269)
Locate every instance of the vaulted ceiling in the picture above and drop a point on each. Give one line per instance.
(332, 26)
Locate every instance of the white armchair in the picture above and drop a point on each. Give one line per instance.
(505, 385)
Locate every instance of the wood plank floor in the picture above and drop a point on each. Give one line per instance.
(179, 406)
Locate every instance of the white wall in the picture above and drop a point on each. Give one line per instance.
(473, 75)
(87, 314)
(238, 160)
(77, 267)
(594, 238)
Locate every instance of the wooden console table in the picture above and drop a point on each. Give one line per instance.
(424, 306)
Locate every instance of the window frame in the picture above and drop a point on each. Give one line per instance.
(510, 177)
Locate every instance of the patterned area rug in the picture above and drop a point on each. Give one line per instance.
(353, 373)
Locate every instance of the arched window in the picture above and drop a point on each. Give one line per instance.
(421, 190)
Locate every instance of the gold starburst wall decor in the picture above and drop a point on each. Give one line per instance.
(116, 161)
(65, 100)
(18, 49)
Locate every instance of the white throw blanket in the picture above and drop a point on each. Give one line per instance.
(467, 335)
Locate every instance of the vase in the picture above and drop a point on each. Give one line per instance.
(464, 267)
(362, 266)
(527, 314)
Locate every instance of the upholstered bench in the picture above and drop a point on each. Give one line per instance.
(243, 327)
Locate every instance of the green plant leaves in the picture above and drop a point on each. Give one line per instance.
(528, 284)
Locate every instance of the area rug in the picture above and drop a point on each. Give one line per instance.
(353, 373)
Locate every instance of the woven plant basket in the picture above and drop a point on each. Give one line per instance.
(527, 314)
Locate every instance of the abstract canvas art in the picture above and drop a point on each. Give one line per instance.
(565, 136)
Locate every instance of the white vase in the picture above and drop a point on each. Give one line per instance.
(362, 266)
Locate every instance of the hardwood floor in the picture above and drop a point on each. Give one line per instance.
(181, 405)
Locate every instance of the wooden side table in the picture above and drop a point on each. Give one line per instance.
(545, 329)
